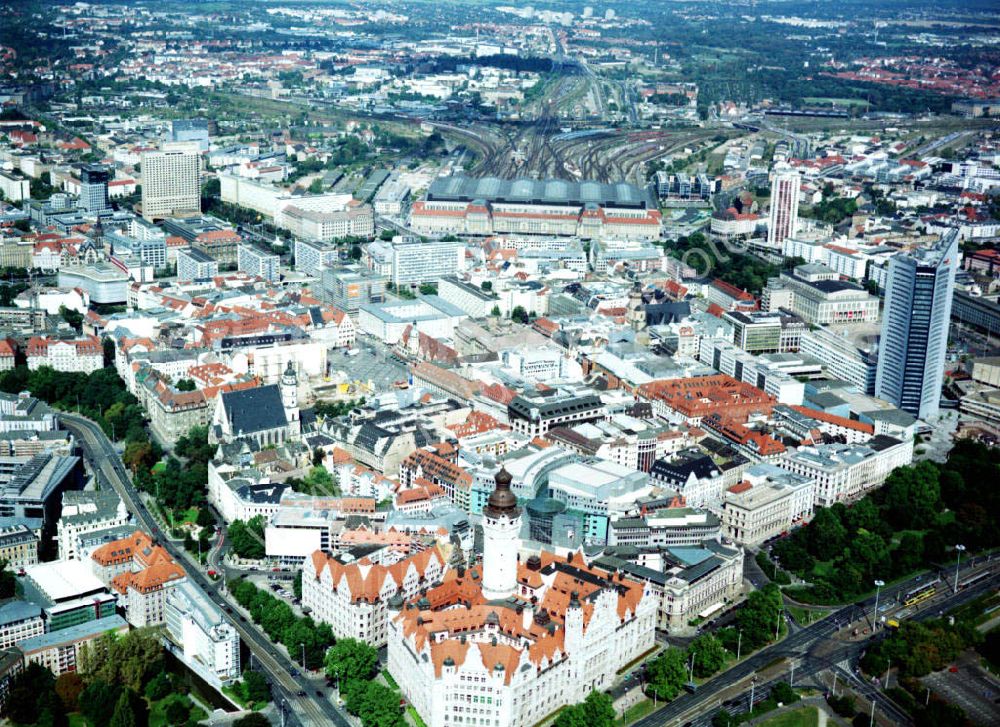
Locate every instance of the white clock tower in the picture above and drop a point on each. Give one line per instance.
(501, 527)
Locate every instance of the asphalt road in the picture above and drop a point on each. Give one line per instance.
(108, 468)
(813, 649)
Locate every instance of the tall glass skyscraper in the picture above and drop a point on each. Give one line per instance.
(784, 213)
(94, 180)
(915, 323)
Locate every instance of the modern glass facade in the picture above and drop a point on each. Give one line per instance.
(915, 327)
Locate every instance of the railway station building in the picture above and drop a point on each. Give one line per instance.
(460, 205)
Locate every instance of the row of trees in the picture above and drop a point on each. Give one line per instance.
(247, 538)
(913, 519)
(916, 649)
(597, 710)
(177, 485)
(282, 625)
(353, 663)
(100, 395)
(758, 622)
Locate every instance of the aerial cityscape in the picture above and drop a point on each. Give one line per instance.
(422, 363)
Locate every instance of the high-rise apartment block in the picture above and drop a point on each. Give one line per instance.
(784, 206)
(915, 327)
(170, 181)
(260, 263)
(94, 180)
(193, 264)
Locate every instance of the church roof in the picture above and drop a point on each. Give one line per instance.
(254, 410)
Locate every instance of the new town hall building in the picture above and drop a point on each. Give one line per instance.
(507, 642)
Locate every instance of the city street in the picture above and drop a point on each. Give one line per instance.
(295, 694)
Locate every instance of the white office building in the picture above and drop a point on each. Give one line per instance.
(199, 633)
(408, 261)
(768, 502)
(170, 181)
(845, 472)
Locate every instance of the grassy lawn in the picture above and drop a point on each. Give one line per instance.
(414, 716)
(237, 697)
(822, 569)
(77, 720)
(805, 616)
(639, 710)
(158, 717)
(805, 717)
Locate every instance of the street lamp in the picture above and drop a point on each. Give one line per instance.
(958, 561)
(303, 655)
(739, 643)
(878, 585)
(691, 667)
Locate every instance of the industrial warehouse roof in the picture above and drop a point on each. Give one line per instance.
(539, 191)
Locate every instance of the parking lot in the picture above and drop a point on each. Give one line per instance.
(970, 687)
(373, 362)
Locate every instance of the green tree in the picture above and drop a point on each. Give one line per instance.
(869, 553)
(519, 314)
(124, 714)
(782, 692)
(98, 700)
(316, 187)
(8, 583)
(32, 698)
(159, 687)
(376, 704)
(599, 710)
(68, 687)
(758, 616)
(912, 496)
(130, 660)
(186, 385)
(827, 535)
(254, 719)
(350, 659)
(247, 539)
(709, 655)
(255, 687)
(205, 518)
(177, 710)
(667, 673)
(72, 317)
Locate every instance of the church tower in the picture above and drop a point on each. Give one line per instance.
(290, 400)
(501, 526)
(636, 310)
